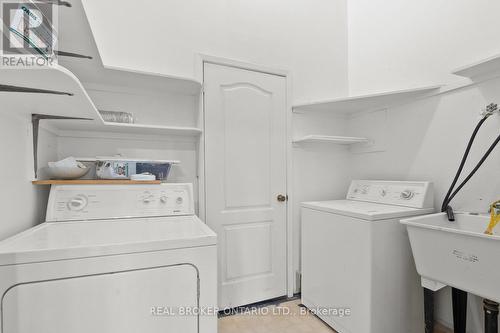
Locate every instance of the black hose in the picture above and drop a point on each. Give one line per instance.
(488, 152)
(447, 199)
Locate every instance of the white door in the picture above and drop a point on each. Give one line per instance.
(245, 165)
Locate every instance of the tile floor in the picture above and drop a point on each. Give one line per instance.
(293, 322)
(441, 329)
(271, 322)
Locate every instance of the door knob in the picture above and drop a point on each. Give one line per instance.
(281, 197)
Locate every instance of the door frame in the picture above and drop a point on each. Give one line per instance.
(201, 60)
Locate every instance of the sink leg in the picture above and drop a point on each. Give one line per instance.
(459, 310)
(429, 310)
(490, 316)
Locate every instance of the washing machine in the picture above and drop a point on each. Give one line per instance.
(115, 259)
(358, 273)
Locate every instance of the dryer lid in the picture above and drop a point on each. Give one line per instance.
(365, 210)
(84, 239)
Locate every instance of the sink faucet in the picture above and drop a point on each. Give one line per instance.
(495, 217)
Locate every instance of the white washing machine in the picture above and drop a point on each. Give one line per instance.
(358, 273)
(114, 259)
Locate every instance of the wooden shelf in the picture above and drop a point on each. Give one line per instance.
(371, 102)
(342, 140)
(482, 70)
(94, 182)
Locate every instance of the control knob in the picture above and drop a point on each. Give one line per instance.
(407, 194)
(147, 197)
(77, 203)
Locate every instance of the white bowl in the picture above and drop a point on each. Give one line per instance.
(67, 172)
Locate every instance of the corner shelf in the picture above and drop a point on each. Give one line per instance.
(133, 80)
(56, 78)
(482, 70)
(73, 100)
(78, 105)
(350, 105)
(342, 140)
(94, 182)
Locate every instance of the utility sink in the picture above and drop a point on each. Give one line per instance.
(457, 253)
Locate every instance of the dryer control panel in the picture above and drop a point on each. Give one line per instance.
(91, 202)
(399, 193)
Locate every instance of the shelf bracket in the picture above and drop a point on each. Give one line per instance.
(72, 55)
(35, 122)
(8, 88)
(57, 3)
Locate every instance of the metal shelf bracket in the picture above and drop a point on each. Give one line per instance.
(35, 122)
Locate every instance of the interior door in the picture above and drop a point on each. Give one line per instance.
(245, 165)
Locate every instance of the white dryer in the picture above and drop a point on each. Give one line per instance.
(114, 259)
(358, 273)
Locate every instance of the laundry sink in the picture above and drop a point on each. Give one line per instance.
(457, 253)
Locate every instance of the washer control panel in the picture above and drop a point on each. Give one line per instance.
(91, 202)
(400, 193)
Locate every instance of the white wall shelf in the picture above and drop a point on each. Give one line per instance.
(78, 105)
(482, 70)
(72, 75)
(133, 80)
(72, 126)
(371, 102)
(151, 129)
(49, 78)
(342, 140)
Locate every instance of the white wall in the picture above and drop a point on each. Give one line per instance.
(394, 44)
(320, 171)
(21, 203)
(425, 140)
(166, 109)
(306, 37)
(389, 44)
(149, 108)
(153, 147)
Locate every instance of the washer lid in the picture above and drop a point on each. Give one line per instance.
(83, 239)
(365, 210)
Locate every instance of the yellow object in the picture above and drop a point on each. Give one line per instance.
(495, 217)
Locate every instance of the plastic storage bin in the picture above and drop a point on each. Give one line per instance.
(124, 168)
